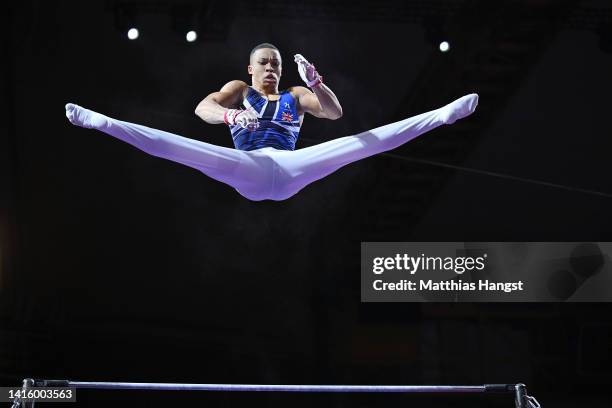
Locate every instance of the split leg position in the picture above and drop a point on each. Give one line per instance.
(269, 173)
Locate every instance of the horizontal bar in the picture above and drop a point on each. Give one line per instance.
(282, 388)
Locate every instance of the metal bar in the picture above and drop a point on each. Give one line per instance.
(282, 388)
(519, 390)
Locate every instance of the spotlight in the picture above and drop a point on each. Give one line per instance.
(184, 21)
(133, 33)
(436, 31)
(191, 36)
(126, 19)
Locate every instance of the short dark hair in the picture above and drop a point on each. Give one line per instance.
(262, 45)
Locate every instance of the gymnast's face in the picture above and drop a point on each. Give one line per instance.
(266, 67)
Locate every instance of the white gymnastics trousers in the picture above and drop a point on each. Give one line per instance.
(268, 173)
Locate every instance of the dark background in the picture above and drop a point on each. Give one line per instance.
(115, 265)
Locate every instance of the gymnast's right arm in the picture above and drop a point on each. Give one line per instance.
(213, 108)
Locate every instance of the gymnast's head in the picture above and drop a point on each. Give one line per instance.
(265, 66)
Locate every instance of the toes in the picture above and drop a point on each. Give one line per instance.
(474, 102)
(71, 107)
(70, 112)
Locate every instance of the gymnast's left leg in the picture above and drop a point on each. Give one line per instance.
(303, 166)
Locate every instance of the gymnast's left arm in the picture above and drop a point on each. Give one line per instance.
(322, 102)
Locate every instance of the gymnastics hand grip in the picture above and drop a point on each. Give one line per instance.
(244, 118)
(307, 71)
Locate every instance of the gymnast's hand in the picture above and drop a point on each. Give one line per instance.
(244, 118)
(307, 71)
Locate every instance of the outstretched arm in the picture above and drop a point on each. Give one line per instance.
(212, 109)
(322, 102)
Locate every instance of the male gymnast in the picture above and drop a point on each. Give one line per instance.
(265, 125)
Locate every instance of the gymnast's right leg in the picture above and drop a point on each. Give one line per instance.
(230, 166)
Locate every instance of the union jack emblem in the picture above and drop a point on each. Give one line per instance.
(287, 116)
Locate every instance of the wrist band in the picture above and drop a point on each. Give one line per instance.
(234, 113)
(317, 81)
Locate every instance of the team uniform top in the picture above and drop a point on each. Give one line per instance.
(279, 123)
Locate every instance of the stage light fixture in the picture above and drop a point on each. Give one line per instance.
(191, 36)
(133, 33)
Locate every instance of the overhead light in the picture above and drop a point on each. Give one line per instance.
(191, 36)
(133, 33)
